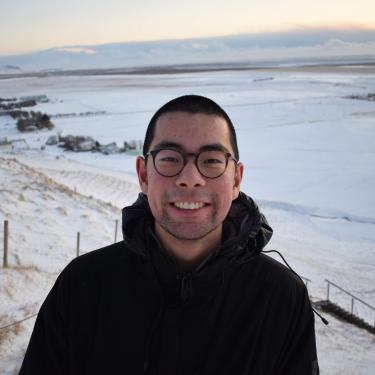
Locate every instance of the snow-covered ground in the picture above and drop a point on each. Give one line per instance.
(309, 155)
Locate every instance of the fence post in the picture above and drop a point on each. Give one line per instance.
(351, 310)
(116, 226)
(78, 240)
(6, 232)
(327, 290)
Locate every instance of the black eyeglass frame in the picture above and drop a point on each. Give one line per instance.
(185, 155)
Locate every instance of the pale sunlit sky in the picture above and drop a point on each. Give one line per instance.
(39, 24)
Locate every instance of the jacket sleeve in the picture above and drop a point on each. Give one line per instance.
(299, 355)
(47, 350)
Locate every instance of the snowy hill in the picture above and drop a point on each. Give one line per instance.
(308, 156)
(43, 217)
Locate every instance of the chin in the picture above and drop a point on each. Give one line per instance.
(189, 232)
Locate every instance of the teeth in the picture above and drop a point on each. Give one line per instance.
(189, 205)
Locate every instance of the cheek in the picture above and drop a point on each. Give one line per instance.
(154, 181)
(225, 196)
(157, 187)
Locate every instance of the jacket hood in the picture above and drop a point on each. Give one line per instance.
(244, 227)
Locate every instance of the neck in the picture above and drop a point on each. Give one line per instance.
(191, 252)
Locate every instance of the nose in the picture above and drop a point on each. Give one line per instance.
(190, 177)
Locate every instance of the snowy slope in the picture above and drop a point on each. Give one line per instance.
(44, 217)
(308, 154)
(41, 245)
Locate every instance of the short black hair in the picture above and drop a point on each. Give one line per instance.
(191, 104)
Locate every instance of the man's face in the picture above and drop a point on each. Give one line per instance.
(189, 206)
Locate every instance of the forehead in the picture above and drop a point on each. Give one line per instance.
(191, 130)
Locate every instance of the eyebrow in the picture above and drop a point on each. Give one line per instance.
(177, 146)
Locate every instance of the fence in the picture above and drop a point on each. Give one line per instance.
(353, 298)
(306, 281)
(5, 261)
(6, 238)
(78, 250)
(6, 232)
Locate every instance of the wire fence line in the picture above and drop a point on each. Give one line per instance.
(78, 242)
(18, 321)
(6, 263)
(352, 297)
(78, 251)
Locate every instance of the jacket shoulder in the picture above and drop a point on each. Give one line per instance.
(102, 260)
(275, 275)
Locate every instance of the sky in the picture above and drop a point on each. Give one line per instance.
(27, 26)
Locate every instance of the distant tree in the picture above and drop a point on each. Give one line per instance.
(37, 120)
(45, 117)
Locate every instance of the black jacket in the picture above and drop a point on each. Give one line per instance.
(129, 309)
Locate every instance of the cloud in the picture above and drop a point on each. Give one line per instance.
(87, 51)
(336, 43)
(199, 45)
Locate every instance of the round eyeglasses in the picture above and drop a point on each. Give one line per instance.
(210, 163)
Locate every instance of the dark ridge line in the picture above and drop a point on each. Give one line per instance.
(183, 68)
(346, 218)
(343, 315)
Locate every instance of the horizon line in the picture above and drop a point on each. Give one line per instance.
(294, 29)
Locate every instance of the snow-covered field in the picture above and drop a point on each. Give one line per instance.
(309, 155)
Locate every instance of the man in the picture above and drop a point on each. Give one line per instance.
(188, 291)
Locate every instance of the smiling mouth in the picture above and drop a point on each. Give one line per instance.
(189, 205)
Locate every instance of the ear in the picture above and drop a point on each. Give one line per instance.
(237, 180)
(142, 174)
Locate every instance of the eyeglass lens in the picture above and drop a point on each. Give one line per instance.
(171, 162)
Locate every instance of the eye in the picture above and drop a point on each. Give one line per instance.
(212, 161)
(169, 159)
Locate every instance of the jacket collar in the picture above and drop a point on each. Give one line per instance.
(244, 227)
(245, 233)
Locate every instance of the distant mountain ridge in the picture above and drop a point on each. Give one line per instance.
(276, 47)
